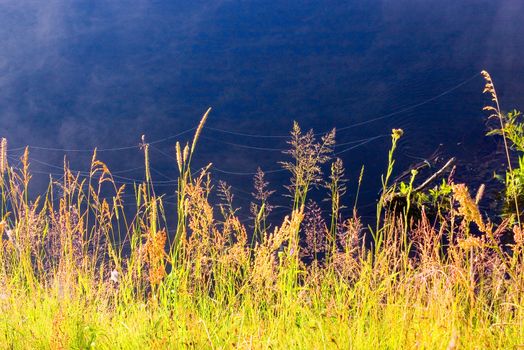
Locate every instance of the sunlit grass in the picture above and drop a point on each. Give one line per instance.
(76, 272)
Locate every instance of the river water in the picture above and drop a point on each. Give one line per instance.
(75, 75)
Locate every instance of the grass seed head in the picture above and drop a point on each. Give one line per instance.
(179, 159)
(3, 156)
(467, 206)
(199, 129)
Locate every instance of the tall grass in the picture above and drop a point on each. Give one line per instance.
(76, 272)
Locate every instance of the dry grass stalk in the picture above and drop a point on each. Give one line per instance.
(315, 232)
(426, 241)
(3, 156)
(497, 113)
(308, 155)
(518, 236)
(467, 206)
(155, 250)
(154, 247)
(59, 338)
(199, 211)
(264, 268)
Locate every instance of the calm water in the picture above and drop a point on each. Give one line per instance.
(74, 75)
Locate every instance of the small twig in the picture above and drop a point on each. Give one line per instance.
(425, 183)
(435, 175)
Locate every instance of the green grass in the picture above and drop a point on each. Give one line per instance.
(77, 273)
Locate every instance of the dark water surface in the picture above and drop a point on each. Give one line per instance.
(75, 75)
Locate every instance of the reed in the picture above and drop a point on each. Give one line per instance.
(495, 110)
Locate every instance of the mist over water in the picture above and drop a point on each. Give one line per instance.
(84, 74)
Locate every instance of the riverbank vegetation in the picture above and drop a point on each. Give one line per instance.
(434, 272)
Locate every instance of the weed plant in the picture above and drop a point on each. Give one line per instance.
(76, 272)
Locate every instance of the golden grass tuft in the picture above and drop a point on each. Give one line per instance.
(467, 206)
